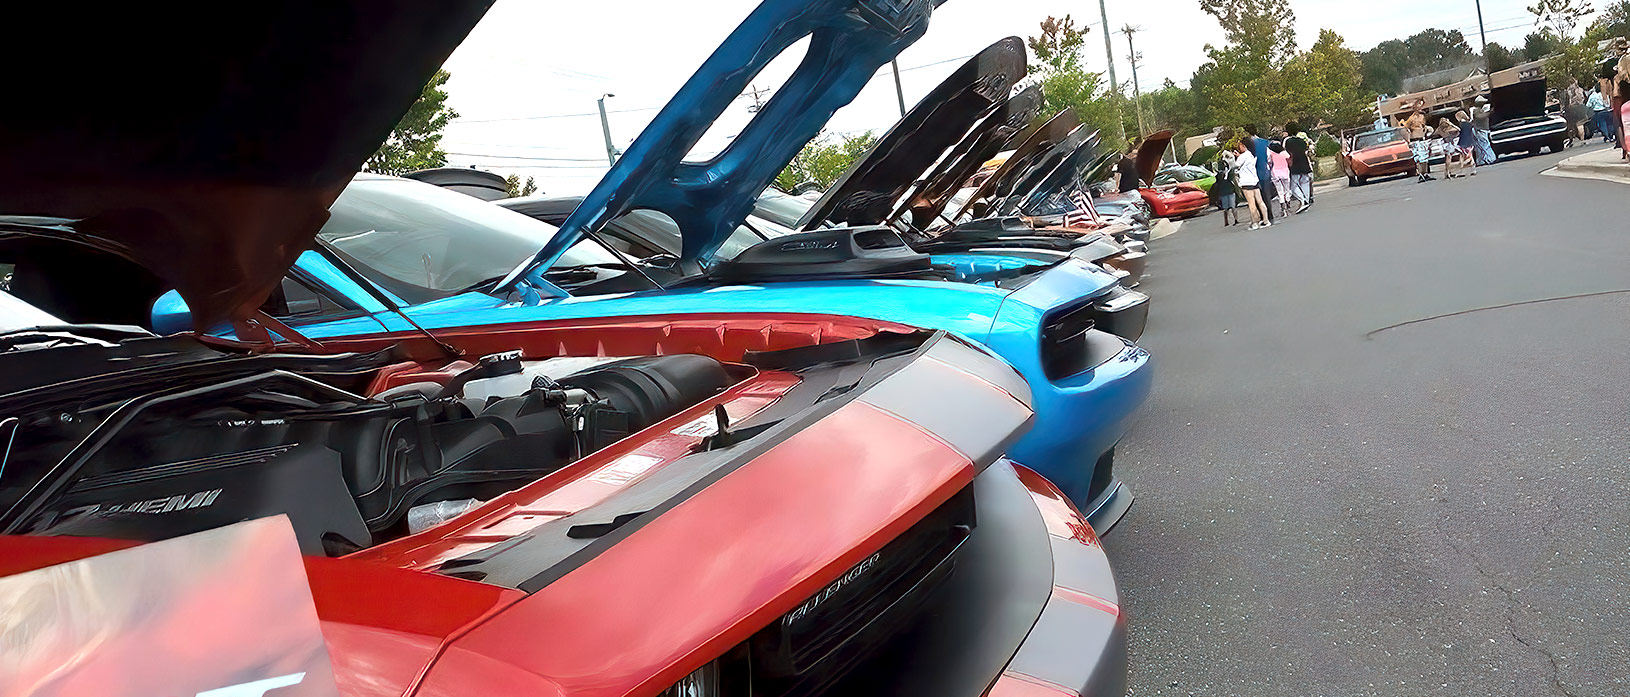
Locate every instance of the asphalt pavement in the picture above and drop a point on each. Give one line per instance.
(1388, 449)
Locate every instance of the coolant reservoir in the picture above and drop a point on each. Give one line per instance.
(517, 383)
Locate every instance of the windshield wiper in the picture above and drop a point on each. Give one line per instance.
(369, 287)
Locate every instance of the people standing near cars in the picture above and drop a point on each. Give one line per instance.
(1126, 171)
(1466, 141)
(1279, 169)
(1606, 71)
(1574, 110)
(1300, 148)
(1227, 185)
(1601, 115)
(1259, 154)
(1250, 184)
(1415, 129)
(1453, 160)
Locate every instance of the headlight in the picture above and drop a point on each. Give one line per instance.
(702, 683)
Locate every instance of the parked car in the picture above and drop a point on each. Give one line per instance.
(617, 505)
(1520, 121)
(1173, 200)
(448, 261)
(1366, 154)
(1186, 174)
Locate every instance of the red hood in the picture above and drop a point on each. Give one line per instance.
(207, 146)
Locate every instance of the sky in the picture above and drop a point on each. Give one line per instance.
(526, 81)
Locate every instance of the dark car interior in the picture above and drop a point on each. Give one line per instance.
(77, 283)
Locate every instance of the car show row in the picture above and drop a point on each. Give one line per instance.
(683, 435)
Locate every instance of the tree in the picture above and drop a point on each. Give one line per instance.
(1499, 57)
(824, 159)
(513, 185)
(1540, 44)
(415, 143)
(1326, 83)
(1561, 17)
(1386, 66)
(1264, 30)
(1066, 84)
(1435, 49)
(1058, 47)
(1613, 21)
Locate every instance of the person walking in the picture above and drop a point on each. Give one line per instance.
(1250, 185)
(1264, 175)
(1574, 110)
(1279, 167)
(1467, 142)
(1227, 185)
(1449, 132)
(1300, 148)
(1601, 115)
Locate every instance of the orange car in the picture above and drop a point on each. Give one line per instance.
(1375, 153)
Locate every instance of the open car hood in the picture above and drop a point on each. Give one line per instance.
(1516, 100)
(1005, 181)
(866, 193)
(1015, 119)
(1150, 151)
(849, 40)
(204, 146)
(1070, 166)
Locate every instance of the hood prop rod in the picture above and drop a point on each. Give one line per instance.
(625, 259)
(369, 287)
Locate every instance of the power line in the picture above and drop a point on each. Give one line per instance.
(456, 122)
(528, 157)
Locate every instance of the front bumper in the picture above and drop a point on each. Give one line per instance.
(1528, 137)
(1030, 607)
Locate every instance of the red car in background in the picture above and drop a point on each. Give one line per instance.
(1375, 153)
(700, 505)
(1178, 200)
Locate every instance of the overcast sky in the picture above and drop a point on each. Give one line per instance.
(526, 80)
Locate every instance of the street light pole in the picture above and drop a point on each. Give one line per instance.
(899, 92)
(1483, 36)
(605, 129)
(1114, 87)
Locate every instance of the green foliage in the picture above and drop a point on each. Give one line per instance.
(1058, 47)
(1264, 31)
(1540, 44)
(1575, 60)
(1326, 83)
(1499, 57)
(415, 143)
(1326, 146)
(1386, 66)
(824, 159)
(1561, 17)
(1613, 21)
(513, 185)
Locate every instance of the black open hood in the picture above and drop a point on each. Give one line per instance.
(1150, 151)
(1065, 168)
(1014, 119)
(865, 195)
(206, 142)
(1004, 183)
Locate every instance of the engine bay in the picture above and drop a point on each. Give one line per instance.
(355, 458)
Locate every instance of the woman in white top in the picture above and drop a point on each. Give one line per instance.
(1251, 186)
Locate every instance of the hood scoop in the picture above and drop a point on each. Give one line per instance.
(864, 252)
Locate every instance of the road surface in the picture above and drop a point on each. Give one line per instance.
(1373, 464)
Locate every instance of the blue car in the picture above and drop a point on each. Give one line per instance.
(401, 256)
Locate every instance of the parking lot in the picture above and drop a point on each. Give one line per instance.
(1373, 464)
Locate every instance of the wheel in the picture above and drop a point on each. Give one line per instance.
(1557, 144)
(1362, 180)
(1352, 180)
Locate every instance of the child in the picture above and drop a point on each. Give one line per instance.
(1279, 165)
(1226, 189)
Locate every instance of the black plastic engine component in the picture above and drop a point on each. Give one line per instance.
(343, 468)
(863, 252)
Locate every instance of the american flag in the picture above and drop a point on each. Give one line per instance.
(1081, 214)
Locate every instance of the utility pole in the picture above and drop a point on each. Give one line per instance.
(1114, 86)
(605, 129)
(1137, 93)
(1483, 35)
(899, 92)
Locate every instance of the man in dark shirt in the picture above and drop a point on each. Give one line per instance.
(1301, 166)
(1126, 171)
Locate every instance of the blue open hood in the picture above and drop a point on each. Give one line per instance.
(849, 40)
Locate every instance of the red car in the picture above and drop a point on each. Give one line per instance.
(1178, 200)
(691, 505)
(1375, 153)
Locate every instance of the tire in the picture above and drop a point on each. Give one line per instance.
(1362, 180)
(1352, 180)
(1558, 144)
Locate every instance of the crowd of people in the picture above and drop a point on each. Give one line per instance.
(1269, 174)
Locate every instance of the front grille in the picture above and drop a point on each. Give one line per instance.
(808, 649)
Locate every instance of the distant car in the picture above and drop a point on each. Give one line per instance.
(1186, 174)
(1377, 153)
(1521, 122)
(1166, 200)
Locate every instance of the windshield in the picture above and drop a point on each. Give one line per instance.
(1378, 138)
(782, 209)
(662, 231)
(16, 314)
(410, 236)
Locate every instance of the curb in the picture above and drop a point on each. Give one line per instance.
(1577, 167)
